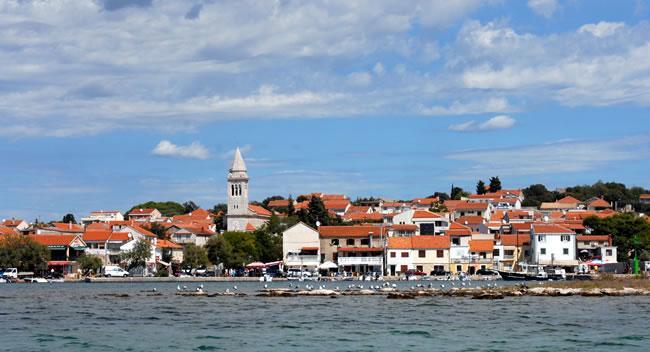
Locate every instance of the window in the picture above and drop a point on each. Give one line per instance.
(459, 268)
(565, 251)
(608, 252)
(496, 252)
(565, 238)
(365, 241)
(334, 242)
(542, 251)
(422, 253)
(455, 241)
(404, 268)
(427, 229)
(350, 242)
(393, 254)
(419, 268)
(541, 238)
(405, 254)
(440, 253)
(509, 252)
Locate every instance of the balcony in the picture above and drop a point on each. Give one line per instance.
(360, 261)
(301, 260)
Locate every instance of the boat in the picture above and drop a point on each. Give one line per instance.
(36, 280)
(530, 273)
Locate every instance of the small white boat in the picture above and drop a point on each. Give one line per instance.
(36, 280)
(56, 280)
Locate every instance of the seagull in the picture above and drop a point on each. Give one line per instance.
(184, 287)
(201, 285)
(234, 288)
(154, 289)
(442, 286)
(266, 286)
(337, 288)
(462, 284)
(227, 290)
(394, 286)
(178, 287)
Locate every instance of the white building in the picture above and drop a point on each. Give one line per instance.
(145, 215)
(301, 247)
(552, 244)
(103, 216)
(428, 223)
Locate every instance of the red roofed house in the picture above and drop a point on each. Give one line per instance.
(174, 249)
(428, 254)
(428, 223)
(145, 215)
(18, 224)
(356, 249)
(191, 234)
(592, 247)
(138, 233)
(424, 203)
(59, 228)
(513, 249)
(481, 255)
(7, 231)
(468, 208)
(240, 212)
(301, 247)
(598, 204)
(106, 244)
(64, 250)
(553, 244)
(644, 198)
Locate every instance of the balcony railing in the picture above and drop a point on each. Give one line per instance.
(302, 260)
(360, 260)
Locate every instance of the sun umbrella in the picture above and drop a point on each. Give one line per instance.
(328, 265)
(256, 265)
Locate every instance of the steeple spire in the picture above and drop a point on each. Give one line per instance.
(238, 162)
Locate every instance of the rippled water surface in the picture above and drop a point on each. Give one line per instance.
(89, 317)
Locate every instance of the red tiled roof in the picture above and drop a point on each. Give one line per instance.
(336, 204)
(404, 227)
(102, 236)
(145, 211)
(569, 200)
(419, 242)
(7, 231)
(167, 244)
(644, 196)
(599, 203)
(456, 229)
(12, 222)
(143, 231)
(53, 240)
(362, 216)
(425, 214)
(470, 220)
(521, 227)
(470, 206)
(349, 231)
(425, 201)
(326, 197)
(598, 238)
(481, 245)
(395, 204)
(278, 203)
(98, 226)
(69, 227)
(259, 210)
(515, 240)
(551, 229)
(250, 227)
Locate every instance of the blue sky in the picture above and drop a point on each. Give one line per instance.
(104, 104)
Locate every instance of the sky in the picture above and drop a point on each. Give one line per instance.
(109, 103)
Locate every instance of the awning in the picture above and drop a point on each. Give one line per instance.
(256, 265)
(328, 265)
(59, 262)
(276, 263)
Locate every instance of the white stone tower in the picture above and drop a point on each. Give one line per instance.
(237, 194)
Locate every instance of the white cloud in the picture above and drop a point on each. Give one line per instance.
(470, 107)
(360, 79)
(552, 158)
(193, 151)
(601, 29)
(544, 8)
(496, 123)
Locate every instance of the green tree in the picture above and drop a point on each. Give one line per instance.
(22, 252)
(316, 212)
(89, 263)
(269, 243)
(195, 257)
(69, 218)
(220, 251)
(442, 196)
(535, 195)
(480, 187)
(438, 207)
(244, 247)
(159, 230)
(291, 209)
(457, 193)
(189, 206)
(623, 228)
(219, 212)
(495, 184)
(165, 208)
(138, 256)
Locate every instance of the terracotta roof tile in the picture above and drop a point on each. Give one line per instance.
(259, 210)
(481, 245)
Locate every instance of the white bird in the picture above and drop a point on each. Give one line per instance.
(442, 286)
(201, 285)
(178, 287)
(184, 287)
(154, 289)
(337, 288)
(227, 290)
(234, 288)
(462, 284)
(394, 286)
(266, 286)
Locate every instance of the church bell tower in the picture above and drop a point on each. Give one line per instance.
(237, 193)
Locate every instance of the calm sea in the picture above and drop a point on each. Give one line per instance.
(82, 317)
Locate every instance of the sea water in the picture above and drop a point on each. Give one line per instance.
(126, 317)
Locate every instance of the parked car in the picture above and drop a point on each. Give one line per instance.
(440, 273)
(11, 273)
(115, 271)
(486, 272)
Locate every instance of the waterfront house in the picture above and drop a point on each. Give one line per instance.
(592, 247)
(105, 244)
(64, 250)
(419, 253)
(301, 247)
(510, 250)
(174, 249)
(356, 249)
(480, 254)
(552, 244)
